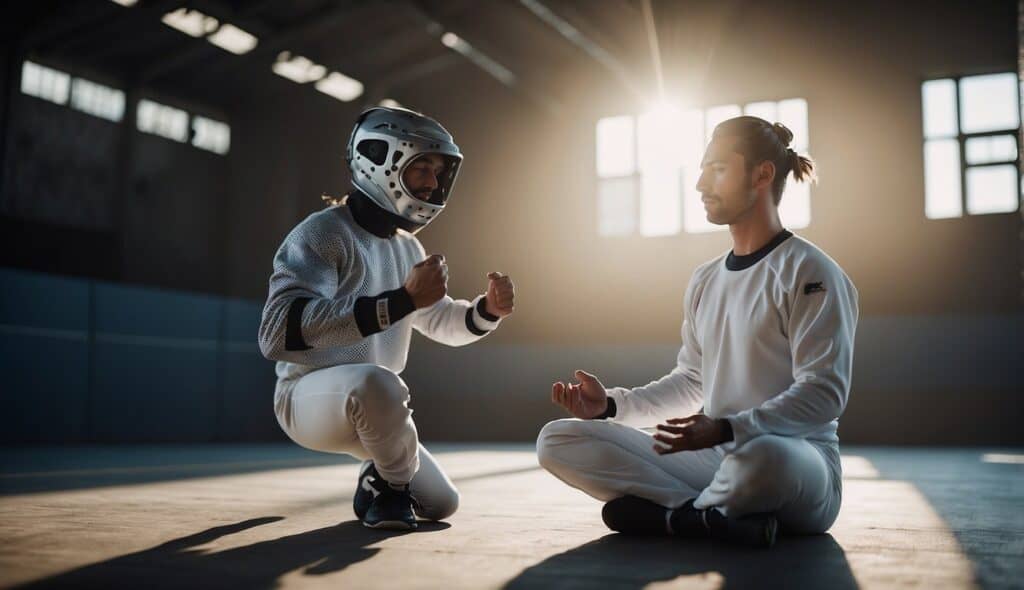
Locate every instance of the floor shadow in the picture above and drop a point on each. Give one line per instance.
(619, 561)
(980, 501)
(181, 564)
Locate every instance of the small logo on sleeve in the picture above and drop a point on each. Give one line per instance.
(383, 317)
(814, 288)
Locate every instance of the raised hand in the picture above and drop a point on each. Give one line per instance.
(427, 282)
(501, 294)
(585, 399)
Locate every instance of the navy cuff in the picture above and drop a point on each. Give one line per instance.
(376, 314)
(729, 436)
(608, 412)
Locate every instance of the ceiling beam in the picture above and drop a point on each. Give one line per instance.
(596, 51)
(493, 67)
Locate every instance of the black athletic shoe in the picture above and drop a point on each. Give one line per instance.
(631, 515)
(391, 509)
(369, 484)
(754, 530)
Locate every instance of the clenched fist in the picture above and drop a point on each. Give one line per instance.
(427, 282)
(501, 294)
(584, 400)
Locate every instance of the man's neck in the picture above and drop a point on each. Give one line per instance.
(755, 229)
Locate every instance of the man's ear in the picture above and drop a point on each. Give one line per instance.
(764, 174)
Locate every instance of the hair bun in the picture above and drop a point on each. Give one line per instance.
(783, 133)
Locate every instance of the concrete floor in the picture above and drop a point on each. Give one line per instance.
(281, 517)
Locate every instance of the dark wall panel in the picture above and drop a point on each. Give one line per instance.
(248, 379)
(44, 328)
(156, 365)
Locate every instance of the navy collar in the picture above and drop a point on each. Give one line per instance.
(371, 217)
(734, 262)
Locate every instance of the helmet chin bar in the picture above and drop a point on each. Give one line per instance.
(383, 143)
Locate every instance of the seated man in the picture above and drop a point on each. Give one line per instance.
(746, 423)
(350, 283)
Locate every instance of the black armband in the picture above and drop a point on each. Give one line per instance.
(378, 313)
(293, 339)
(608, 412)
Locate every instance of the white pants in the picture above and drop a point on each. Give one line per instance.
(798, 480)
(362, 410)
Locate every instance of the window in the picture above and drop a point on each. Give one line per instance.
(45, 83)
(162, 120)
(648, 166)
(971, 162)
(211, 135)
(97, 100)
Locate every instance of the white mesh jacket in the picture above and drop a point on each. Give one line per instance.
(336, 297)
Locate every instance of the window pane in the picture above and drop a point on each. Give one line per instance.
(659, 143)
(616, 206)
(989, 103)
(715, 115)
(211, 135)
(992, 189)
(660, 213)
(938, 106)
(996, 148)
(97, 99)
(766, 110)
(793, 114)
(616, 154)
(942, 179)
(46, 83)
(795, 207)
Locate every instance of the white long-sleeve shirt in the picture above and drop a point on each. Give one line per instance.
(325, 270)
(767, 345)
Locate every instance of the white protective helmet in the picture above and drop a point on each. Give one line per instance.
(384, 141)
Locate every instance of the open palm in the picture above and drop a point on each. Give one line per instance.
(585, 399)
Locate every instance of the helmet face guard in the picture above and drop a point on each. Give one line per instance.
(383, 144)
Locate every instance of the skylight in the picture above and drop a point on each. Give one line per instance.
(231, 38)
(297, 68)
(340, 87)
(190, 22)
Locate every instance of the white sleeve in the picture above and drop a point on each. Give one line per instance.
(821, 326)
(675, 395)
(455, 322)
(303, 311)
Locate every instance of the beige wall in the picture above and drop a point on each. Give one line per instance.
(524, 204)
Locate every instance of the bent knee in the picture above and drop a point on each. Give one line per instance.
(440, 509)
(379, 386)
(765, 461)
(555, 437)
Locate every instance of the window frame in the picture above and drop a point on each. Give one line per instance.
(962, 138)
(636, 176)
